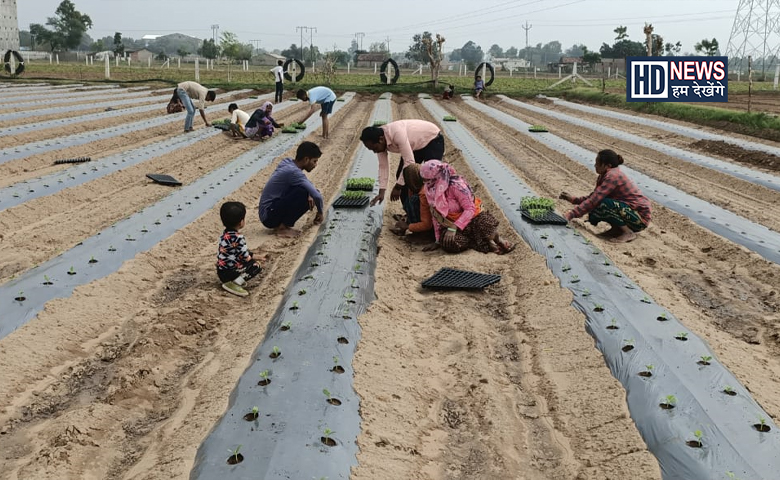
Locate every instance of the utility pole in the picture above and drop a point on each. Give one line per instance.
(309, 32)
(256, 44)
(526, 27)
(214, 32)
(387, 44)
(359, 37)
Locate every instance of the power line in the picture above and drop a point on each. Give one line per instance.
(359, 38)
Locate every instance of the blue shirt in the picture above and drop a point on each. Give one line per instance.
(286, 176)
(321, 95)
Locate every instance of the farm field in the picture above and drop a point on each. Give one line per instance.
(126, 375)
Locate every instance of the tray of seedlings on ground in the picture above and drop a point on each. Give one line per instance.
(449, 118)
(362, 183)
(73, 160)
(351, 199)
(223, 124)
(298, 126)
(289, 129)
(538, 129)
(379, 123)
(540, 210)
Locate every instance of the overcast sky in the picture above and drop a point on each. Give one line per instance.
(486, 22)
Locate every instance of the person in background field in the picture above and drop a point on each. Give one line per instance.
(418, 219)
(278, 72)
(479, 85)
(318, 95)
(235, 263)
(289, 194)
(616, 200)
(459, 223)
(261, 124)
(188, 92)
(238, 121)
(449, 91)
(416, 140)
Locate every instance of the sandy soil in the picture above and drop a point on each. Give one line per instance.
(134, 369)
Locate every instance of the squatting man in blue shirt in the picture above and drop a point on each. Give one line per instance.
(289, 194)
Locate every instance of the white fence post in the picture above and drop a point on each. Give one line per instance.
(50, 59)
(108, 67)
(777, 75)
(197, 69)
(58, 58)
(178, 62)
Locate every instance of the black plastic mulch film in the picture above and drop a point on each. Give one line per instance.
(606, 297)
(316, 330)
(163, 179)
(453, 279)
(137, 233)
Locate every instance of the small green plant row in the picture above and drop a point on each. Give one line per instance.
(542, 203)
(353, 194)
(537, 213)
(537, 128)
(379, 123)
(298, 126)
(449, 118)
(360, 183)
(223, 121)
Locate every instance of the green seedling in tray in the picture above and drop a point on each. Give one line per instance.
(361, 183)
(289, 130)
(353, 194)
(449, 118)
(537, 128)
(223, 121)
(379, 123)
(541, 203)
(298, 126)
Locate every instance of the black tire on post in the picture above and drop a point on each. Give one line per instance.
(301, 67)
(489, 68)
(383, 71)
(19, 62)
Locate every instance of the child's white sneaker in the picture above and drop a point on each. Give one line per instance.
(235, 289)
(240, 280)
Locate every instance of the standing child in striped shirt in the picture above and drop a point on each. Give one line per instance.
(616, 200)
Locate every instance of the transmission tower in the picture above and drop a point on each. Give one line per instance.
(215, 32)
(359, 37)
(755, 33)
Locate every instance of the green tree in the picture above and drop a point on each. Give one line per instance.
(119, 47)
(161, 56)
(68, 26)
(230, 45)
(98, 46)
(182, 52)
(590, 58)
(472, 54)
(708, 47)
(292, 52)
(673, 49)
(511, 52)
(209, 49)
(496, 51)
(417, 50)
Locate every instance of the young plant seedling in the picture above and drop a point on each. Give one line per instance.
(566, 267)
(264, 376)
(648, 371)
(168, 214)
(294, 306)
(47, 280)
(662, 317)
(130, 238)
(597, 307)
(315, 264)
(698, 442)
(543, 236)
(235, 457)
(302, 291)
(575, 279)
(606, 262)
(613, 325)
(354, 283)
(20, 297)
(682, 336)
(111, 248)
(286, 326)
(586, 293)
(157, 222)
(326, 433)
(331, 400)
(646, 299)
(705, 360)
(357, 267)
(628, 345)
(71, 271)
(558, 254)
(550, 245)
(761, 426)
(252, 415)
(669, 402)
(336, 367)
(275, 352)
(618, 274)
(729, 390)
(93, 260)
(144, 229)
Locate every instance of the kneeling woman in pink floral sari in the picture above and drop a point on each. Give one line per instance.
(459, 222)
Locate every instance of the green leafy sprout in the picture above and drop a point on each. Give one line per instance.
(698, 436)
(255, 410)
(326, 392)
(294, 306)
(645, 299)
(670, 400)
(276, 351)
(586, 293)
(264, 375)
(706, 358)
(682, 335)
(335, 360)
(302, 291)
(234, 453)
(287, 325)
(649, 367)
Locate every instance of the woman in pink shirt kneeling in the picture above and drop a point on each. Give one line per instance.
(616, 200)
(458, 220)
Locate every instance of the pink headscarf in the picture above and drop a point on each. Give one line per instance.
(439, 177)
(266, 105)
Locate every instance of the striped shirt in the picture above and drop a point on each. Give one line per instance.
(614, 184)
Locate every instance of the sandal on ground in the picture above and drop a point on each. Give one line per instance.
(505, 247)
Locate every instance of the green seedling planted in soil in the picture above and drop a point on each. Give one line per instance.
(606, 262)
(670, 401)
(294, 306)
(682, 336)
(353, 194)
(575, 279)
(586, 293)
(597, 307)
(234, 454)
(705, 360)
(46, 280)
(92, 260)
(302, 291)
(566, 267)
(662, 317)
(558, 254)
(286, 326)
(275, 352)
(264, 375)
(71, 271)
(449, 118)
(646, 299)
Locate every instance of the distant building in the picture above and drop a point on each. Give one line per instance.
(9, 26)
(369, 59)
(265, 58)
(510, 63)
(566, 64)
(142, 55)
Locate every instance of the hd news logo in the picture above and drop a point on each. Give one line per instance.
(677, 79)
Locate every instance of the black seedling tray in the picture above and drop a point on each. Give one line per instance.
(537, 129)
(73, 160)
(365, 189)
(342, 202)
(452, 279)
(549, 218)
(163, 179)
(221, 126)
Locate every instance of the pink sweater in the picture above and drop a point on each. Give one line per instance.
(404, 137)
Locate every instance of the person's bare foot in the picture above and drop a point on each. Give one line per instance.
(286, 232)
(611, 233)
(624, 237)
